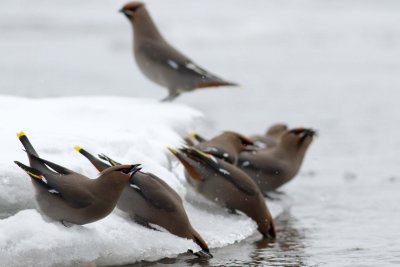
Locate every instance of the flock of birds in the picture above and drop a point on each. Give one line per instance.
(230, 169)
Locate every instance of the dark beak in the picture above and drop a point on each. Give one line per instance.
(133, 169)
(310, 132)
(126, 12)
(201, 254)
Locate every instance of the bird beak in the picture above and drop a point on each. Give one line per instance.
(126, 12)
(132, 169)
(201, 254)
(311, 132)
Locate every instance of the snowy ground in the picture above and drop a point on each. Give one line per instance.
(332, 65)
(98, 124)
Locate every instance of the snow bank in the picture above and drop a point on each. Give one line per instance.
(130, 130)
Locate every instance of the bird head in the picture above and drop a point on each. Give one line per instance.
(130, 9)
(276, 130)
(121, 169)
(297, 140)
(239, 140)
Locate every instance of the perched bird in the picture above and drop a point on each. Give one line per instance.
(271, 136)
(69, 197)
(226, 146)
(226, 185)
(271, 168)
(152, 203)
(162, 63)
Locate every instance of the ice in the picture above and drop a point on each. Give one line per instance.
(127, 129)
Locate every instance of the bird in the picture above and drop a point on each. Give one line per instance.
(226, 185)
(69, 197)
(271, 136)
(271, 168)
(151, 202)
(161, 62)
(226, 146)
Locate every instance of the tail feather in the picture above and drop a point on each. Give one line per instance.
(98, 164)
(38, 177)
(198, 137)
(27, 144)
(216, 83)
(110, 160)
(32, 154)
(32, 172)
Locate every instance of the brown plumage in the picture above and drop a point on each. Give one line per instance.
(150, 202)
(271, 137)
(162, 63)
(271, 168)
(226, 146)
(226, 185)
(69, 197)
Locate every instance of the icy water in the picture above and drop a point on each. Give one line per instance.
(330, 65)
(287, 250)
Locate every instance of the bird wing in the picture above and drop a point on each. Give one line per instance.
(72, 189)
(166, 186)
(59, 169)
(245, 185)
(217, 152)
(227, 170)
(62, 187)
(153, 191)
(165, 54)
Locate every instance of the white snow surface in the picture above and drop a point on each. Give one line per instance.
(131, 131)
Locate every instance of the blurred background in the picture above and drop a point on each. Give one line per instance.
(319, 53)
(330, 65)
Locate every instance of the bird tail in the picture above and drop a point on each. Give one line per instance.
(27, 144)
(198, 137)
(214, 83)
(33, 173)
(110, 160)
(97, 163)
(32, 154)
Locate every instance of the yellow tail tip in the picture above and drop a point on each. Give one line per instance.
(77, 148)
(173, 151)
(193, 135)
(20, 134)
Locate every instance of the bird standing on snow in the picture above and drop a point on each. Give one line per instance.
(226, 185)
(271, 137)
(226, 146)
(151, 202)
(162, 63)
(69, 197)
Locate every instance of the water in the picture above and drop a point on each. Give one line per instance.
(330, 65)
(287, 250)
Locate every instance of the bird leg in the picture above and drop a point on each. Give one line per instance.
(172, 95)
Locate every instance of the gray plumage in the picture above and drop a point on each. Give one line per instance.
(151, 202)
(271, 137)
(271, 168)
(161, 62)
(226, 185)
(69, 197)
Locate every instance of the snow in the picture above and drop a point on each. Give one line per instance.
(129, 130)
